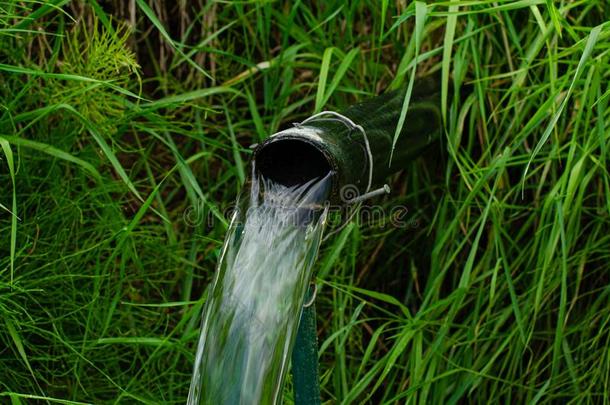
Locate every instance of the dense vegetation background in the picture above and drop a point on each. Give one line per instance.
(124, 134)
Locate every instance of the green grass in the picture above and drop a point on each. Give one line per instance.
(121, 127)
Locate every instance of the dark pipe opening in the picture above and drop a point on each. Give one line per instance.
(291, 161)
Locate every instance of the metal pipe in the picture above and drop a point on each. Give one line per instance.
(355, 144)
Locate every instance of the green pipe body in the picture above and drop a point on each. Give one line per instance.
(305, 375)
(310, 150)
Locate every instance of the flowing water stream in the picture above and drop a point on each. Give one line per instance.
(252, 312)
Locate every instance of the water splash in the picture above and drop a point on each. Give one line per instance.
(251, 316)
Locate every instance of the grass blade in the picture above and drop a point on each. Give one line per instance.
(421, 11)
(324, 67)
(51, 151)
(591, 41)
(8, 154)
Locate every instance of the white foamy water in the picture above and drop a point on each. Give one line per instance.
(251, 316)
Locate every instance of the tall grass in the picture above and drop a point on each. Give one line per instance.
(124, 131)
